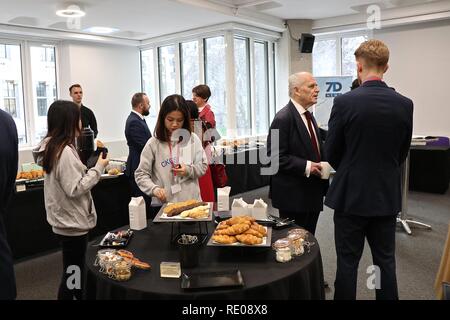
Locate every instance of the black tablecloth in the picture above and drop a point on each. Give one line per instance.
(244, 170)
(26, 223)
(301, 278)
(429, 169)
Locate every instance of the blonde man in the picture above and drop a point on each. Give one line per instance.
(368, 140)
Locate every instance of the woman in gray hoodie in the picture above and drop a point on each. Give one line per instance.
(173, 159)
(68, 201)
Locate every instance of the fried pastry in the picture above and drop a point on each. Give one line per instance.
(224, 239)
(238, 220)
(259, 228)
(237, 229)
(248, 239)
(222, 225)
(254, 233)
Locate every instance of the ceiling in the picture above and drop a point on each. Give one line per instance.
(144, 19)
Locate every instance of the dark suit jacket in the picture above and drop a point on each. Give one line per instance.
(8, 171)
(137, 134)
(88, 119)
(369, 134)
(290, 189)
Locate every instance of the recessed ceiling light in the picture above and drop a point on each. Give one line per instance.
(72, 11)
(101, 30)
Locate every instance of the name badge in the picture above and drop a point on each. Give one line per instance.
(175, 188)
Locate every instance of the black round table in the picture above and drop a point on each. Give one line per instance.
(264, 277)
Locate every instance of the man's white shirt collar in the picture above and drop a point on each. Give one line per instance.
(140, 115)
(299, 107)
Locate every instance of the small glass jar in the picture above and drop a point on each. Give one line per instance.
(296, 244)
(302, 232)
(121, 270)
(282, 249)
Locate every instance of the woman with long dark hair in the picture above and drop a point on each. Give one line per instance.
(173, 159)
(68, 201)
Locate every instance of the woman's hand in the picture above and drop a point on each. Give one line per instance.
(103, 162)
(180, 170)
(160, 194)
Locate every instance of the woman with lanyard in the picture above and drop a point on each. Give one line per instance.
(201, 95)
(173, 159)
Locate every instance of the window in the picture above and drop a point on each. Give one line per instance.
(10, 98)
(3, 54)
(238, 68)
(242, 76)
(167, 80)
(262, 111)
(41, 96)
(43, 75)
(215, 78)
(334, 55)
(11, 93)
(190, 69)
(149, 85)
(47, 55)
(324, 58)
(348, 48)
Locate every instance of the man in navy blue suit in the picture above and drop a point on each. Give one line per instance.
(8, 171)
(368, 140)
(297, 189)
(137, 134)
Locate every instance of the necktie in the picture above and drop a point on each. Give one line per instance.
(313, 136)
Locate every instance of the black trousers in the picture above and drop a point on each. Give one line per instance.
(7, 278)
(350, 232)
(305, 219)
(72, 281)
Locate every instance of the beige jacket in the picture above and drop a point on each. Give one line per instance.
(68, 201)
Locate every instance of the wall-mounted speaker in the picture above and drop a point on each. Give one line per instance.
(306, 43)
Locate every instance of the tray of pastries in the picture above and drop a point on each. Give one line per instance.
(241, 231)
(190, 210)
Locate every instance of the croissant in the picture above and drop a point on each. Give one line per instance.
(237, 229)
(224, 239)
(259, 228)
(248, 239)
(222, 225)
(238, 220)
(254, 233)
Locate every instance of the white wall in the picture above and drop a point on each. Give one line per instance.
(420, 69)
(109, 75)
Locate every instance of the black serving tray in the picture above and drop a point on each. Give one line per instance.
(105, 243)
(214, 279)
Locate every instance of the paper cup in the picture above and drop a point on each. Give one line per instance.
(326, 169)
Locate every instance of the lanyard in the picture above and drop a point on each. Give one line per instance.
(171, 157)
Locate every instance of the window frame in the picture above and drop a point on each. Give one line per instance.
(338, 36)
(27, 93)
(228, 31)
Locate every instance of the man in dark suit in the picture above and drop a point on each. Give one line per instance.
(297, 189)
(137, 134)
(369, 136)
(87, 116)
(8, 170)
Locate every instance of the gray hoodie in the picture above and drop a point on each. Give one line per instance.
(68, 201)
(155, 168)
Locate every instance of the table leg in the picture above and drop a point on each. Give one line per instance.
(402, 218)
